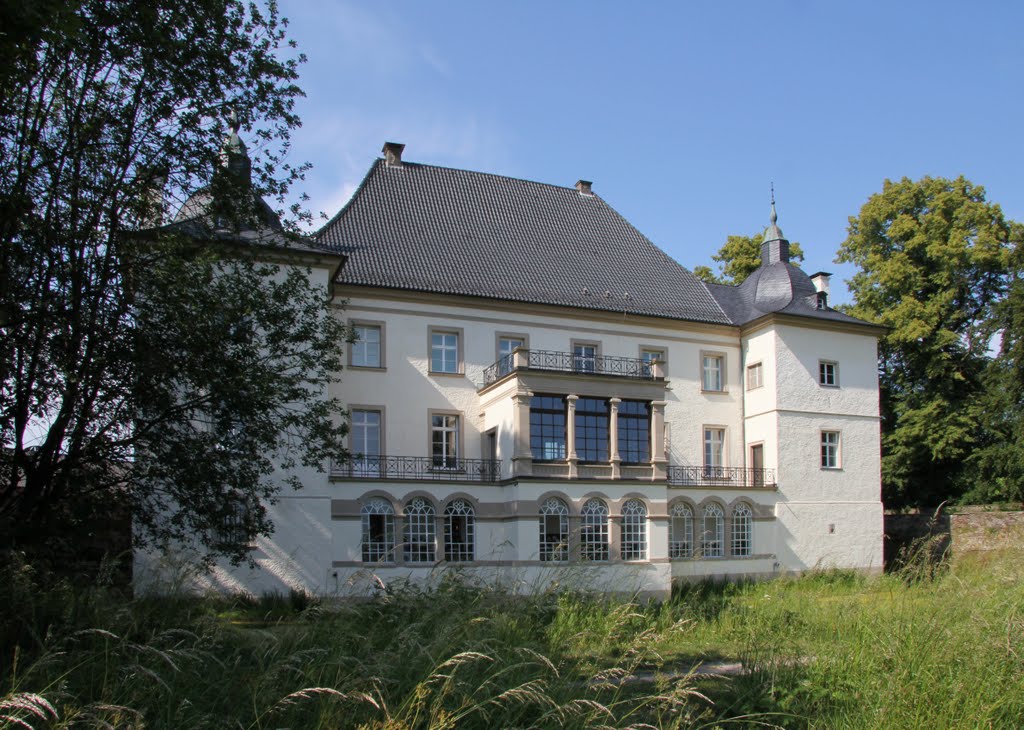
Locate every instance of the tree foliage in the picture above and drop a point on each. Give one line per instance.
(934, 259)
(147, 373)
(738, 258)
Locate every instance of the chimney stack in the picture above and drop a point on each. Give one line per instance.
(393, 154)
(821, 280)
(584, 186)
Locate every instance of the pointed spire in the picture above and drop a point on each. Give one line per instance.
(234, 157)
(774, 246)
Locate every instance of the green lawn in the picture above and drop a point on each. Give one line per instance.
(829, 650)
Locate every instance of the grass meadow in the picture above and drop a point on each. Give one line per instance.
(931, 647)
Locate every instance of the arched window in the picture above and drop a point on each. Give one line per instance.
(378, 519)
(594, 530)
(459, 529)
(680, 543)
(554, 531)
(713, 533)
(634, 530)
(742, 530)
(419, 531)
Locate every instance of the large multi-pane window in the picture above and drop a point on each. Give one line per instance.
(681, 532)
(594, 530)
(712, 366)
(713, 532)
(554, 531)
(366, 349)
(506, 346)
(592, 429)
(829, 449)
(365, 442)
(420, 532)
(378, 518)
(634, 431)
(742, 530)
(714, 452)
(444, 440)
(634, 530)
(584, 358)
(444, 352)
(233, 530)
(547, 427)
(459, 526)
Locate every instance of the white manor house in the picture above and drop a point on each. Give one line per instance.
(539, 394)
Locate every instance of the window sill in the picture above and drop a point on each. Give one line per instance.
(831, 468)
(434, 373)
(713, 392)
(368, 368)
(830, 387)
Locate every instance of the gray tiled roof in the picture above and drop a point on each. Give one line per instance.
(437, 229)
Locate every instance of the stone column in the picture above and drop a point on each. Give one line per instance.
(570, 434)
(659, 460)
(613, 436)
(520, 359)
(522, 457)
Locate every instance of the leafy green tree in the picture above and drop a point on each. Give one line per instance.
(738, 258)
(148, 372)
(933, 257)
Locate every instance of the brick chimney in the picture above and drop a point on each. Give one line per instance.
(584, 186)
(393, 154)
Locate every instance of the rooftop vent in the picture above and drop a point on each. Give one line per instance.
(584, 186)
(821, 280)
(393, 154)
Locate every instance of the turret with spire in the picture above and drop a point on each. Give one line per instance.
(774, 246)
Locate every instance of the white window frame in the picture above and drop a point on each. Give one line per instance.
(828, 373)
(554, 513)
(831, 444)
(755, 375)
(712, 537)
(449, 348)
(504, 359)
(594, 543)
(741, 544)
(680, 531)
(649, 354)
(450, 432)
(378, 550)
(583, 362)
(634, 530)
(365, 462)
(358, 351)
(714, 459)
(712, 372)
(459, 551)
(419, 533)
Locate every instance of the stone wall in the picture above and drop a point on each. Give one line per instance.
(968, 529)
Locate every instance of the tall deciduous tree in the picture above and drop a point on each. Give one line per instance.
(738, 258)
(933, 257)
(147, 372)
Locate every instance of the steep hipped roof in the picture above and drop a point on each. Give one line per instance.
(435, 229)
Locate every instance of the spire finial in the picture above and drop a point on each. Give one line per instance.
(774, 217)
(232, 119)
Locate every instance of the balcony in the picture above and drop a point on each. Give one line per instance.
(418, 468)
(727, 477)
(568, 362)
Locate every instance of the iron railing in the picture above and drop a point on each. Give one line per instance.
(442, 469)
(720, 476)
(569, 362)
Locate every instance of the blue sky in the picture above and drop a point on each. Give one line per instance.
(681, 113)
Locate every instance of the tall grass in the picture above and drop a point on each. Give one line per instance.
(831, 649)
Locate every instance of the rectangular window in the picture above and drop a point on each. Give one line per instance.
(444, 441)
(547, 427)
(649, 355)
(635, 432)
(714, 453)
(506, 346)
(233, 530)
(712, 378)
(828, 373)
(584, 358)
(592, 429)
(755, 376)
(829, 449)
(444, 352)
(366, 350)
(365, 441)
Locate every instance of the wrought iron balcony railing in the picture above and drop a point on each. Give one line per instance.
(720, 476)
(442, 469)
(568, 362)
